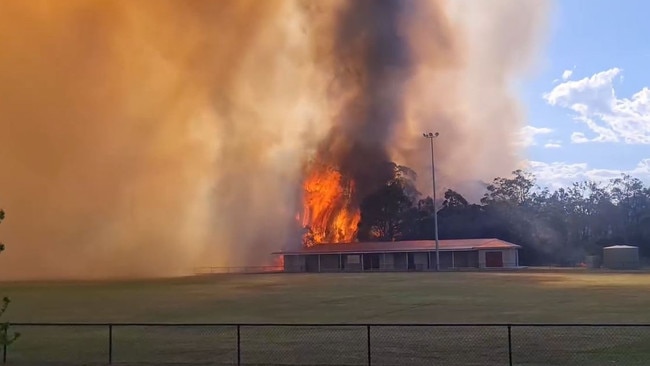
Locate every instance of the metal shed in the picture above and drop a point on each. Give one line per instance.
(621, 257)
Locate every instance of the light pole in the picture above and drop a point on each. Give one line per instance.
(432, 136)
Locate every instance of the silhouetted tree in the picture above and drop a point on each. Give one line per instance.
(384, 212)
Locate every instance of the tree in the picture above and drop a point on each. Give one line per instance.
(382, 213)
(511, 208)
(514, 191)
(5, 338)
(387, 214)
(628, 195)
(557, 227)
(458, 219)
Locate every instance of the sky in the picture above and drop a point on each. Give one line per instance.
(588, 102)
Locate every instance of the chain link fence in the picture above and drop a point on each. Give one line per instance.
(329, 344)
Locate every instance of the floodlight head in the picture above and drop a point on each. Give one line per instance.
(424, 134)
(437, 133)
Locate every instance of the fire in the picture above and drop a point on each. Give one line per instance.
(278, 263)
(328, 213)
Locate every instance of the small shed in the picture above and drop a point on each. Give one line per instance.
(621, 257)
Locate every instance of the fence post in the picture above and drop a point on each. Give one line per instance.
(5, 337)
(110, 344)
(238, 345)
(368, 338)
(510, 344)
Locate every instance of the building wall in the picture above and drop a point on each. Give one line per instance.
(400, 261)
(420, 261)
(294, 263)
(456, 259)
(466, 259)
(621, 258)
(330, 263)
(352, 262)
(509, 257)
(387, 262)
(395, 261)
(445, 260)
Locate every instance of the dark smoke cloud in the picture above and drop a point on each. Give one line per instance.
(373, 60)
(377, 60)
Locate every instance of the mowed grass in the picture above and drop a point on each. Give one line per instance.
(342, 298)
(387, 298)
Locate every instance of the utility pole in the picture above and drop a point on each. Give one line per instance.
(431, 137)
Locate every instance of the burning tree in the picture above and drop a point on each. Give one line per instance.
(329, 215)
(335, 211)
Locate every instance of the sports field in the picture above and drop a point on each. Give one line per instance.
(522, 297)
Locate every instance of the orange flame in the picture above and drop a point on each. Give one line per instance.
(328, 213)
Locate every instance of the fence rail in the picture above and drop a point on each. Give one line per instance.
(330, 344)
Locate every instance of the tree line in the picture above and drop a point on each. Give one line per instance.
(557, 227)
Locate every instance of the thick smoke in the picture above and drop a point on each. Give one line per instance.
(145, 138)
(468, 91)
(373, 59)
(140, 138)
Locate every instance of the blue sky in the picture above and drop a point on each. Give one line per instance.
(587, 110)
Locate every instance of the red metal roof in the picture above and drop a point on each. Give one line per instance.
(404, 246)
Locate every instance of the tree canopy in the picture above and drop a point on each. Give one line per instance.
(556, 227)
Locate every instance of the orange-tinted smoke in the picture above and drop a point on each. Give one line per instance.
(140, 137)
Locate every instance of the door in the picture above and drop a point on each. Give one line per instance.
(370, 262)
(311, 263)
(494, 259)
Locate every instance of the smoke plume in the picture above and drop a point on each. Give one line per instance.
(146, 138)
(371, 63)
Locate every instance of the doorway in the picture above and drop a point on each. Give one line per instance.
(494, 259)
(371, 262)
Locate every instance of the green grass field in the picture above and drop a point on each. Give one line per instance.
(518, 297)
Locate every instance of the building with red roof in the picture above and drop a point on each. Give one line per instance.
(415, 255)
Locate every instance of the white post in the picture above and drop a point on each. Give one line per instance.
(340, 262)
(361, 262)
(453, 261)
(319, 263)
(432, 136)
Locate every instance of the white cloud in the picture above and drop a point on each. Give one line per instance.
(527, 135)
(553, 144)
(558, 174)
(611, 119)
(579, 138)
(567, 74)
